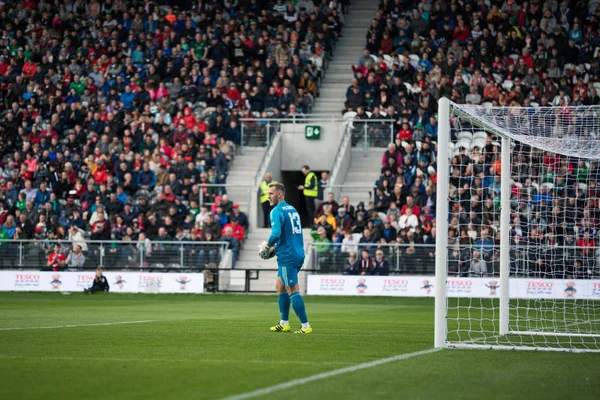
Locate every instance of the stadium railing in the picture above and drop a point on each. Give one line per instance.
(203, 200)
(402, 258)
(259, 132)
(370, 133)
(551, 262)
(338, 190)
(116, 255)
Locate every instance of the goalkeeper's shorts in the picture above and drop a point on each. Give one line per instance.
(288, 275)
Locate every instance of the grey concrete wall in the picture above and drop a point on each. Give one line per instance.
(297, 151)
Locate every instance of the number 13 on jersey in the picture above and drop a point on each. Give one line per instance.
(296, 224)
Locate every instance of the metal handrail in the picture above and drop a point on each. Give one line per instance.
(110, 242)
(303, 118)
(350, 186)
(337, 160)
(17, 253)
(201, 201)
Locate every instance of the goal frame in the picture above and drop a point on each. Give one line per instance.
(441, 272)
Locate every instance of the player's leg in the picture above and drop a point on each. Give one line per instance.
(290, 278)
(283, 299)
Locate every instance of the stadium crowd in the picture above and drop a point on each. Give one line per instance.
(495, 53)
(115, 115)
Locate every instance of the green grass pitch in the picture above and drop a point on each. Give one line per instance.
(216, 346)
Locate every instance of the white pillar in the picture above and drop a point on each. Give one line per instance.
(505, 188)
(441, 244)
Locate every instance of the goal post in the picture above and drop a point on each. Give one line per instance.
(518, 222)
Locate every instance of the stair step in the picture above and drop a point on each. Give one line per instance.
(333, 99)
(361, 176)
(365, 182)
(341, 79)
(341, 69)
(240, 172)
(346, 59)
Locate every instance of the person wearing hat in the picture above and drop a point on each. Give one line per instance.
(237, 231)
(242, 218)
(343, 220)
(382, 266)
(263, 193)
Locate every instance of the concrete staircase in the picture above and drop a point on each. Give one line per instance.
(242, 172)
(364, 170)
(347, 52)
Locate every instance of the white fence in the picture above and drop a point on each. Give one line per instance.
(423, 286)
(120, 282)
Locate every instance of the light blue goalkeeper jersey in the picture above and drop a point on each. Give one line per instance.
(286, 234)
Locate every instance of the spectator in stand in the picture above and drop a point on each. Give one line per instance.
(368, 241)
(365, 265)
(56, 259)
(322, 246)
(237, 231)
(76, 259)
(382, 266)
(478, 267)
(234, 242)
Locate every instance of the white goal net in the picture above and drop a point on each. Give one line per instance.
(518, 216)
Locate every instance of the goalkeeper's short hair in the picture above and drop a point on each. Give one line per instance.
(278, 187)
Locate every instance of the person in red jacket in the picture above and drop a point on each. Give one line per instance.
(57, 259)
(237, 230)
(29, 69)
(461, 32)
(405, 133)
(586, 245)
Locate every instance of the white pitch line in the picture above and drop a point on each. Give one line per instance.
(187, 361)
(77, 326)
(323, 375)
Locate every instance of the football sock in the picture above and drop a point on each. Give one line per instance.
(282, 322)
(298, 306)
(284, 306)
(306, 325)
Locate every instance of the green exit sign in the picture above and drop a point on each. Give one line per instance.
(312, 132)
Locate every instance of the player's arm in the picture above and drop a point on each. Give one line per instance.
(275, 228)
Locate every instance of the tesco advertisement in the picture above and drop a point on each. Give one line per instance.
(423, 286)
(120, 282)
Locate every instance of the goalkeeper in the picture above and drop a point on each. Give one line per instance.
(286, 241)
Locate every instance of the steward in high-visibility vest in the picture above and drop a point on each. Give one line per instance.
(310, 189)
(264, 190)
(263, 193)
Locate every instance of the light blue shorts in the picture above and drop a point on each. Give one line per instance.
(288, 275)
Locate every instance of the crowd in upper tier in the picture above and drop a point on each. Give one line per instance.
(492, 53)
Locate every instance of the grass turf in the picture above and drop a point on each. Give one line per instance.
(214, 346)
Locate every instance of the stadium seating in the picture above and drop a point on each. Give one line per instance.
(143, 103)
(455, 63)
